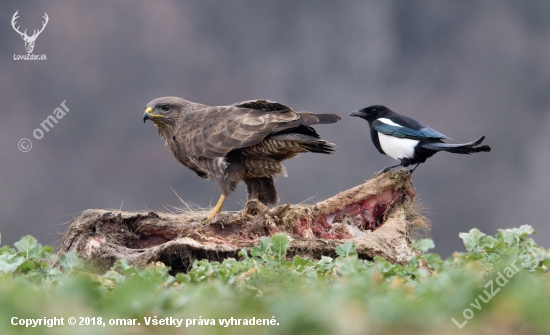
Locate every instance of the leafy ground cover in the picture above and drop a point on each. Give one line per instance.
(500, 285)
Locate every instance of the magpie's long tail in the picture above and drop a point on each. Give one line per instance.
(463, 148)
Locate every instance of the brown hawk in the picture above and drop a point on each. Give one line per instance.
(246, 141)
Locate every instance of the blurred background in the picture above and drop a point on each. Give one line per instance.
(465, 68)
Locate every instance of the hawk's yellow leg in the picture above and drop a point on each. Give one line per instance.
(218, 207)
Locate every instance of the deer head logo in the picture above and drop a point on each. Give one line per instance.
(29, 40)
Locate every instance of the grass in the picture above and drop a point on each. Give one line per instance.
(263, 292)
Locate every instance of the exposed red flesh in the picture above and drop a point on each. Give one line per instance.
(367, 214)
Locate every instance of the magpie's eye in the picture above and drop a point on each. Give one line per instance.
(166, 107)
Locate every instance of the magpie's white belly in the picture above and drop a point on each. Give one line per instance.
(397, 148)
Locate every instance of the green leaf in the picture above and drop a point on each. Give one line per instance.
(243, 253)
(29, 265)
(424, 244)
(300, 262)
(29, 247)
(325, 264)
(471, 239)
(124, 268)
(114, 276)
(349, 265)
(488, 242)
(10, 263)
(261, 249)
(513, 236)
(182, 278)
(47, 249)
(346, 250)
(7, 250)
(279, 243)
(524, 230)
(70, 261)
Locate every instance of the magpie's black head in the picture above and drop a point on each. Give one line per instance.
(371, 113)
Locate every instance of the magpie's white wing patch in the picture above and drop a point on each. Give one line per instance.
(389, 122)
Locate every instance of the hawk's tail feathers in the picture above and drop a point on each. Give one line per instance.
(321, 147)
(328, 118)
(308, 141)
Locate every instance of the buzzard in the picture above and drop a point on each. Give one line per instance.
(246, 141)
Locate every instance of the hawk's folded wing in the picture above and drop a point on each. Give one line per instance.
(214, 131)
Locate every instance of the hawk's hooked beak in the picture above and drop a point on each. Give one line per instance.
(148, 115)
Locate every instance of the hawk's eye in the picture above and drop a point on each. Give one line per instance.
(166, 107)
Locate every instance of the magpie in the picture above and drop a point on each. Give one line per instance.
(408, 140)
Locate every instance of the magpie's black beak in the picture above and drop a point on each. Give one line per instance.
(358, 113)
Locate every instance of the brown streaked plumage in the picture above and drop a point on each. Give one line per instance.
(246, 141)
